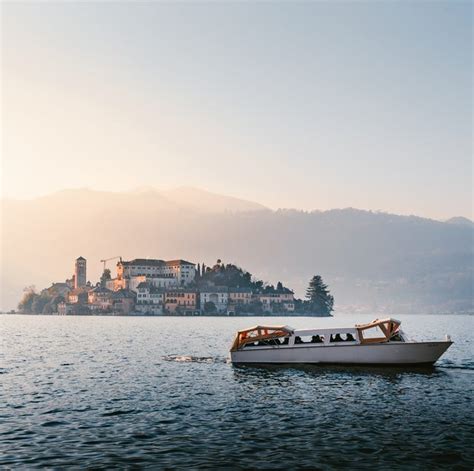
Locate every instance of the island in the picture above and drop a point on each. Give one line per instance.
(154, 287)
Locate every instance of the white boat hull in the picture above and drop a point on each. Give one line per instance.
(388, 353)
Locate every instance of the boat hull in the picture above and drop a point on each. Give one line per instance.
(407, 353)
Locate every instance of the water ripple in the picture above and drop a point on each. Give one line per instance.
(159, 393)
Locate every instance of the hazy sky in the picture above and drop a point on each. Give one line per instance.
(309, 105)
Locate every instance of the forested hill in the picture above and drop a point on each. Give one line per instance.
(373, 262)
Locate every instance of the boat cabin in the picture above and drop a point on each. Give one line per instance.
(377, 331)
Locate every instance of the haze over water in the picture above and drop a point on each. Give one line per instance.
(160, 393)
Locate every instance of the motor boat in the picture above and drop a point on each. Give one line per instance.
(380, 342)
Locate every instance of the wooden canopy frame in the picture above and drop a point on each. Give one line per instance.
(389, 327)
(259, 332)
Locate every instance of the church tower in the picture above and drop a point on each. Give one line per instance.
(80, 278)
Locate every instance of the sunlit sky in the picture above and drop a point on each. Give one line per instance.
(308, 105)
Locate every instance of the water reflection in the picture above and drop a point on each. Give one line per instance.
(266, 370)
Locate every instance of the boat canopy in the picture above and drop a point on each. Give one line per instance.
(260, 332)
(389, 327)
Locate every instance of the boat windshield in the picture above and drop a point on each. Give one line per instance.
(261, 335)
(379, 331)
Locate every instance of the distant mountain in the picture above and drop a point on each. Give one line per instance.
(462, 221)
(373, 262)
(201, 201)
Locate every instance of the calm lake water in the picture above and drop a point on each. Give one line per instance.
(159, 393)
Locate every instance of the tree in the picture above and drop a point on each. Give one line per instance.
(320, 299)
(210, 307)
(226, 275)
(258, 285)
(26, 303)
(39, 303)
(106, 275)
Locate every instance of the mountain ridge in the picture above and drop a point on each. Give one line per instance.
(177, 197)
(373, 261)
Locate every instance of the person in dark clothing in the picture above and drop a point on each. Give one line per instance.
(349, 338)
(298, 340)
(316, 339)
(336, 338)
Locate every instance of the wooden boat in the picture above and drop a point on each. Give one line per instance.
(380, 342)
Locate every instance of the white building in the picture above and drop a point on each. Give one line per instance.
(158, 281)
(139, 267)
(183, 271)
(159, 272)
(283, 298)
(217, 295)
(150, 299)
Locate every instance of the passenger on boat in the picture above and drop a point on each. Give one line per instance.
(350, 338)
(298, 340)
(336, 338)
(285, 341)
(316, 339)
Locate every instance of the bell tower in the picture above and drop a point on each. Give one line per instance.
(80, 272)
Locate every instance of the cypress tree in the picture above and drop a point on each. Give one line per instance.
(320, 299)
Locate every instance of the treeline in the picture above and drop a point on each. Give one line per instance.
(42, 303)
(318, 302)
(232, 276)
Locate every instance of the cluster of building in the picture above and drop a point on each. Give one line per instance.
(158, 287)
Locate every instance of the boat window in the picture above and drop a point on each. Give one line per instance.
(264, 343)
(373, 333)
(336, 338)
(309, 339)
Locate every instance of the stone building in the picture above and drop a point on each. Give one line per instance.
(123, 301)
(283, 299)
(100, 299)
(150, 299)
(181, 300)
(240, 295)
(218, 295)
(161, 273)
(80, 273)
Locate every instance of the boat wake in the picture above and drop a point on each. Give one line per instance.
(449, 365)
(193, 359)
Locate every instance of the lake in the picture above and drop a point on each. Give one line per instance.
(143, 392)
